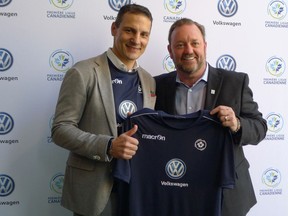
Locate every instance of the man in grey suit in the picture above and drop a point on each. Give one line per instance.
(96, 96)
(196, 85)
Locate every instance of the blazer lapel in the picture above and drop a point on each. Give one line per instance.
(148, 89)
(105, 88)
(214, 85)
(171, 92)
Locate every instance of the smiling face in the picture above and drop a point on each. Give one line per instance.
(131, 37)
(187, 48)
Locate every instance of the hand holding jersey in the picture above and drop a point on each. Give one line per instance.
(227, 116)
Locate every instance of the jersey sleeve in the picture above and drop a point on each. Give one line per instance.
(121, 169)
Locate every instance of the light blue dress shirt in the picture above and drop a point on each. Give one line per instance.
(191, 99)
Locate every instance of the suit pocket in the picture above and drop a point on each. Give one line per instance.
(77, 161)
(241, 168)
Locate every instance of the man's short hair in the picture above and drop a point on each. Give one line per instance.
(186, 21)
(134, 9)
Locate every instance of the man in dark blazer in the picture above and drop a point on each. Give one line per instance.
(196, 85)
(94, 97)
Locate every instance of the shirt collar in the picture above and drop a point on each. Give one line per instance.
(118, 63)
(204, 77)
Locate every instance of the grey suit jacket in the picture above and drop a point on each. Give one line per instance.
(84, 122)
(230, 89)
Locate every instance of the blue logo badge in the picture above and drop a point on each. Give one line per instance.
(227, 8)
(277, 9)
(274, 122)
(126, 107)
(6, 59)
(175, 6)
(175, 168)
(168, 64)
(61, 60)
(6, 123)
(226, 62)
(275, 66)
(117, 4)
(271, 177)
(56, 183)
(7, 185)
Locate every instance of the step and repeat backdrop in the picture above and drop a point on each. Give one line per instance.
(41, 40)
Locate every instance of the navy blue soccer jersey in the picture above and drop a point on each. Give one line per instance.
(181, 166)
(127, 91)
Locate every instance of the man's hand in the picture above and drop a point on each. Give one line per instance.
(226, 116)
(124, 146)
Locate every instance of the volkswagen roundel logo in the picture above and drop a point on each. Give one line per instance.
(117, 4)
(175, 168)
(6, 123)
(226, 62)
(7, 185)
(6, 59)
(4, 3)
(126, 107)
(227, 8)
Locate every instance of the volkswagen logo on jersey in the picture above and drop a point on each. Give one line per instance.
(6, 59)
(6, 123)
(200, 144)
(227, 8)
(175, 168)
(126, 107)
(6, 185)
(226, 62)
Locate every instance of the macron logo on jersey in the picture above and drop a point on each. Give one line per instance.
(153, 137)
(117, 81)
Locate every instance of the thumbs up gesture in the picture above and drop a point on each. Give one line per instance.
(124, 146)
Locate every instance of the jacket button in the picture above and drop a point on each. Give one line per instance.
(96, 157)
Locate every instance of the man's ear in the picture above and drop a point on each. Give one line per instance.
(113, 29)
(169, 50)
